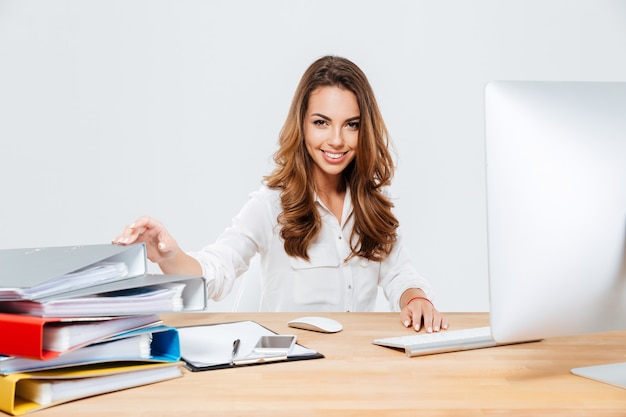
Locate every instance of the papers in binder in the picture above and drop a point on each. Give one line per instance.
(46, 392)
(61, 337)
(167, 297)
(92, 275)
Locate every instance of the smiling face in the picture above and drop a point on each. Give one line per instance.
(331, 132)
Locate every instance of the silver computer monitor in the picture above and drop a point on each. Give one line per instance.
(556, 211)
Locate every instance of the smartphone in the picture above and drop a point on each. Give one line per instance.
(275, 345)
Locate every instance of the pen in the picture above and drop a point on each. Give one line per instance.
(249, 361)
(236, 344)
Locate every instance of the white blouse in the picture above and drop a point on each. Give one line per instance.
(325, 283)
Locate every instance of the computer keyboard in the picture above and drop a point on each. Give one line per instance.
(444, 341)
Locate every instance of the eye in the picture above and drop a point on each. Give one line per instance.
(354, 125)
(319, 122)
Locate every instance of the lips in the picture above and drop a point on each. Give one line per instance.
(333, 155)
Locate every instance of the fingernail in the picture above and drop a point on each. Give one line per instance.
(436, 328)
(429, 330)
(124, 240)
(161, 245)
(132, 226)
(445, 327)
(406, 323)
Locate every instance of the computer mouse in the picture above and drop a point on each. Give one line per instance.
(316, 324)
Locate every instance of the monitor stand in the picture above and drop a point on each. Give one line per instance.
(613, 373)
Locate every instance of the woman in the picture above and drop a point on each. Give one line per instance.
(322, 222)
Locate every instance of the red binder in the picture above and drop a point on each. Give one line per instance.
(28, 336)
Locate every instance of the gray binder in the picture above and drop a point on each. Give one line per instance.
(23, 270)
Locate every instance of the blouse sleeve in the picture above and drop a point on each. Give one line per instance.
(398, 274)
(229, 257)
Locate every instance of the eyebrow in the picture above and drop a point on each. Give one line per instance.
(350, 119)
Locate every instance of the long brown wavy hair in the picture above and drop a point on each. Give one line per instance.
(375, 225)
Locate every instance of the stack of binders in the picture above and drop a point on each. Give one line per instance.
(83, 320)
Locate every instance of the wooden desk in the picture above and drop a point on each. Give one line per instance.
(360, 379)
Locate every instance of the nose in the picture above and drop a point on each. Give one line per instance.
(335, 138)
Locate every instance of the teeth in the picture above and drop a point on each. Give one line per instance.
(333, 155)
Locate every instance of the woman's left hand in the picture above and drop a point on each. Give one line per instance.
(418, 310)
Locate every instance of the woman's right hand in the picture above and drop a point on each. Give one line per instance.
(159, 244)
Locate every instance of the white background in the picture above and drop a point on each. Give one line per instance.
(114, 109)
